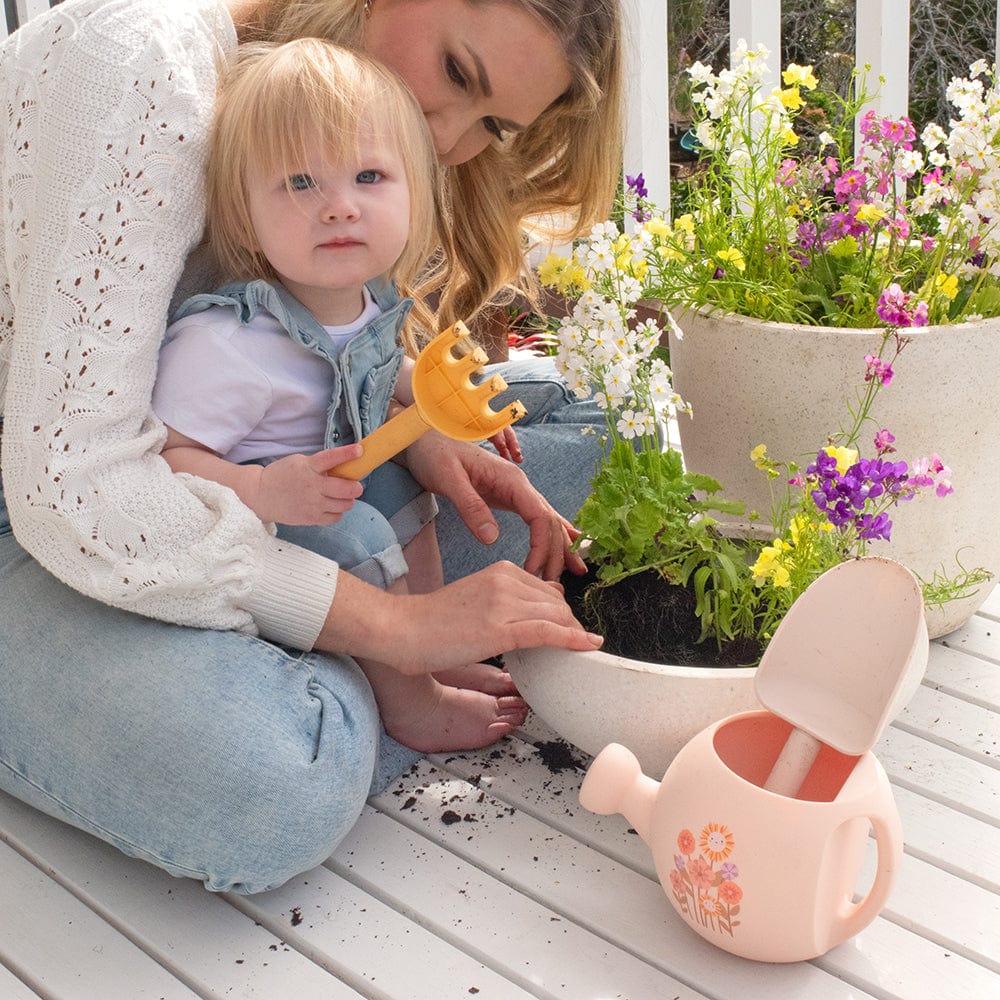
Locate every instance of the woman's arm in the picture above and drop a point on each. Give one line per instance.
(103, 151)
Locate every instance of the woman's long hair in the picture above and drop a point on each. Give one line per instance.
(555, 179)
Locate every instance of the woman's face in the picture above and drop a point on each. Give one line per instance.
(480, 71)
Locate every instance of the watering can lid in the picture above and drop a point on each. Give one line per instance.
(848, 654)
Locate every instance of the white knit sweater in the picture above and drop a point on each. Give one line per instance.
(107, 105)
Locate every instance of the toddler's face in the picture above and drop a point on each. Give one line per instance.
(327, 227)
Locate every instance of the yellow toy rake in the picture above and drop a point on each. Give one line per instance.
(445, 400)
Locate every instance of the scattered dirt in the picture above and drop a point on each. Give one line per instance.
(557, 756)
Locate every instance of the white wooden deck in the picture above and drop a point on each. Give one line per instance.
(480, 875)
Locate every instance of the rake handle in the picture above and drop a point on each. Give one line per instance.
(385, 441)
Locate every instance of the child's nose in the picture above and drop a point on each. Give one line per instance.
(340, 206)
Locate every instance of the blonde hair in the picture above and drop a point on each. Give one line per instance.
(277, 100)
(566, 165)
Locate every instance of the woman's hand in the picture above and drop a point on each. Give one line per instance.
(475, 480)
(495, 610)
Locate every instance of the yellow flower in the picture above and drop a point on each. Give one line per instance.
(801, 527)
(772, 564)
(869, 213)
(789, 137)
(733, 258)
(799, 76)
(657, 227)
(685, 224)
(947, 285)
(563, 274)
(846, 457)
(759, 456)
(790, 98)
(551, 270)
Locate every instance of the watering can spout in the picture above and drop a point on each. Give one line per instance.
(615, 784)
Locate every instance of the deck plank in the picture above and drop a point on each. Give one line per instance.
(65, 949)
(347, 930)
(11, 988)
(535, 945)
(625, 908)
(198, 936)
(969, 729)
(964, 675)
(933, 771)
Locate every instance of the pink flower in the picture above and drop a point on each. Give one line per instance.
(787, 173)
(848, 184)
(701, 873)
(676, 882)
(884, 439)
(879, 370)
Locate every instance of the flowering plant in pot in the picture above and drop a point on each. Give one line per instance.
(664, 566)
(789, 260)
(648, 516)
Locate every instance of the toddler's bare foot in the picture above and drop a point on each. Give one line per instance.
(434, 718)
(478, 677)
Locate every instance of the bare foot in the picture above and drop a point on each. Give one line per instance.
(478, 677)
(434, 718)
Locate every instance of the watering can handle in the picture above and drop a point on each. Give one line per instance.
(385, 441)
(854, 917)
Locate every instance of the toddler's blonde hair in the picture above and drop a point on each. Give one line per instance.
(277, 100)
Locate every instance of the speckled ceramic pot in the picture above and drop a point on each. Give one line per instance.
(752, 382)
(596, 698)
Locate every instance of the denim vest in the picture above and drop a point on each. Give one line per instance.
(365, 370)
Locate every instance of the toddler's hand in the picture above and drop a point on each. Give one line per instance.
(297, 490)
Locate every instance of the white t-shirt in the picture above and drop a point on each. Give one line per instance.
(247, 391)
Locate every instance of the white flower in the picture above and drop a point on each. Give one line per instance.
(700, 73)
(908, 162)
(825, 139)
(932, 136)
(979, 68)
(628, 425)
(705, 134)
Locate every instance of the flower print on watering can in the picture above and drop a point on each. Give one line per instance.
(760, 826)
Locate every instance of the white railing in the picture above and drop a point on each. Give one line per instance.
(15, 12)
(882, 43)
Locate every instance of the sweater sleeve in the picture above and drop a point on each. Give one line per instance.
(108, 104)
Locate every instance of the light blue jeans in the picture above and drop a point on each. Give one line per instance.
(216, 755)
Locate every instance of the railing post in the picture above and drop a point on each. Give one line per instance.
(647, 128)
(884, 44)
(757, 22)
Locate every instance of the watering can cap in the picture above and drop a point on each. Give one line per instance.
(848, 655)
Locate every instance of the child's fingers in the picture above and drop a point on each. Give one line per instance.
(328, 459)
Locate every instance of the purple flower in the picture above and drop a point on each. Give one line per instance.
(872, 527)
(729, 871)
(636, 185)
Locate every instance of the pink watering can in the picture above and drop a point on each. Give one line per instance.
(759, 827)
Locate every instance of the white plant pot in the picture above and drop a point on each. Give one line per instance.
(592, 699)
(752, 382)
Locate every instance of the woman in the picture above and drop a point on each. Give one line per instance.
(153, 685)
